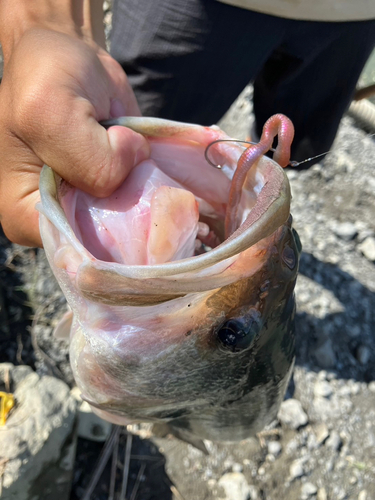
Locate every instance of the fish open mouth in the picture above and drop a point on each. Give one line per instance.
(185, 181)
(147, 242)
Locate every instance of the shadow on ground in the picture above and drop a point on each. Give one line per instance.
(345, 331)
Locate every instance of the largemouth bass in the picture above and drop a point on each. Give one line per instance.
(181, 282)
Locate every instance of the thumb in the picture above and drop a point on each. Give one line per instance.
(92, 158)
(120, 151)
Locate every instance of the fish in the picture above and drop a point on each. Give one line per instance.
(181, 283)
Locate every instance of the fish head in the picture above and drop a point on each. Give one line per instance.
(173, 322)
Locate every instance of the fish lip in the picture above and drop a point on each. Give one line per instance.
(276, 195)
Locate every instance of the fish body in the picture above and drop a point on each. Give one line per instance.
(173, 321)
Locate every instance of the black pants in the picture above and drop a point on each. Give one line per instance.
(188, 60)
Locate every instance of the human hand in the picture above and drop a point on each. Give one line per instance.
(56, 88)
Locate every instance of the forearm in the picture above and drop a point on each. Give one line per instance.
(79, 18)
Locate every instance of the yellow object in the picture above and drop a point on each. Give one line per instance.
(6, 404)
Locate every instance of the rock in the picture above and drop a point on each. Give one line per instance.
(254, 493)
(329, 465)
(354, 332)
(274, 448)
(363, 495)
(363, 234)
(345, 230)
(296, 470)
(363, 354)
(367, 247)
(341, 464)
(292, 414)
(371, 386)
(235, 486)
(322, 494)
(236, 467)
(322, 433)
(322, 388)
(334, 441)
(308, 490)
(312, 443)
(261, 471)
(325, 355)
(38, 440)
(340, 493)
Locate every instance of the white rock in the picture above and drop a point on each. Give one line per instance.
(35, 436)
(363, 234)
(296, 470)
(334, 441)
(254, 492)
(308, 490)
(274, 448)
(367, 247)
(322, 388)
(235, 486)
(322, 494)
(345, 230)
(322, 433)
(261, 471)
(363, 495)
(292, 414)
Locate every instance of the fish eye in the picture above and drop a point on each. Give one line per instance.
(238, 334)
(289, 257)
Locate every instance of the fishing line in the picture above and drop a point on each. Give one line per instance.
(292, 163)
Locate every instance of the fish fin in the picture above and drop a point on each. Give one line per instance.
(63, 327)
(163, 429)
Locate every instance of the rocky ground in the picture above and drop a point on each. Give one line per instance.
(323, 444)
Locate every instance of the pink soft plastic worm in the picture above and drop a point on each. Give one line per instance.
(278, 125)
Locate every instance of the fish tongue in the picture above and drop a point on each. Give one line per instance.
(174, 225)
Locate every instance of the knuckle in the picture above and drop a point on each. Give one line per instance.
(28, 109)
(35, 111)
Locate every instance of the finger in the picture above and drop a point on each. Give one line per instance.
(18, 216)
(84, 153)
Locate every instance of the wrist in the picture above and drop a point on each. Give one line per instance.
(82, 19)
